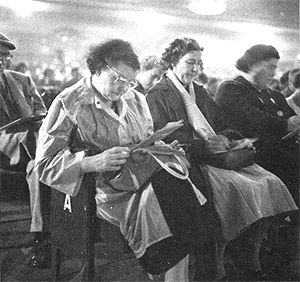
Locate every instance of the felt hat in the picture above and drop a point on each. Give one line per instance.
(256, 54)
(4, 40)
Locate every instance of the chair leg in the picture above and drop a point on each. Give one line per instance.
(55, 262)
(90, 262)
(88, 267)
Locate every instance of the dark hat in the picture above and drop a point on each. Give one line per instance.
(4, 40)
(256, 54)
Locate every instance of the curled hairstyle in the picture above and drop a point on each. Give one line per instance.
(112, 52)
(254, 55)
(150, 62)
(296, 79)
(178, 48)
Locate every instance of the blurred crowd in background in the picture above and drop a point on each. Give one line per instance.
(51, 80)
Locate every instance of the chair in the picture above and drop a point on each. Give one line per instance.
(13, 184)
(73, 227)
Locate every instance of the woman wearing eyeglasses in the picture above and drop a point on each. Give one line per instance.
(89, 128)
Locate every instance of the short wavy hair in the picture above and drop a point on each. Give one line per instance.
(296, 80)
(256, 54)
(178, 48)
(150, 62)
(112, 52)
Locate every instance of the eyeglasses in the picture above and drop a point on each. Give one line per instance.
(6, 57)
(193, 63)
(121, 78)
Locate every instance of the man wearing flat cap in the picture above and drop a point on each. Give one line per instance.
(20, 101)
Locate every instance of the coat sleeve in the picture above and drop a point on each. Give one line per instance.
(37, 101)
(246, 117)
(57, 166)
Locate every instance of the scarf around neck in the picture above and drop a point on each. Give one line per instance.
(195, 116)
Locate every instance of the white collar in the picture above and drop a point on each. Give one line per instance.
(171, 75)
(195, 116)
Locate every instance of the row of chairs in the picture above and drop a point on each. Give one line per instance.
(74, 227)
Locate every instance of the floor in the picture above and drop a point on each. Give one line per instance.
(113, 262)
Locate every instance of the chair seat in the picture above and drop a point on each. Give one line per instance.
(13, 185)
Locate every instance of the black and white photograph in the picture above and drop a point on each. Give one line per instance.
(147, 140)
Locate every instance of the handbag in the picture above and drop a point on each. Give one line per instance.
(135, 175)
(232, 159)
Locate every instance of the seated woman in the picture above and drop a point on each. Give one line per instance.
(294, 99)
(259, 111)
(246, 199)
(89, 128)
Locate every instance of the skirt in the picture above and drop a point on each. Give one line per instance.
(246, 196)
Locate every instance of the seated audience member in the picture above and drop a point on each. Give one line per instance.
(287, 88)
(294, 99)
(258, 111)
(274, 84)
(163, 220)
(284, 84)
(48, 79)
(212, 86)
(22, 67)
(75, 77)
(291, 87)
(49, 86)
(150, 72)
(247, 200)
(202, 78)
(20, 99)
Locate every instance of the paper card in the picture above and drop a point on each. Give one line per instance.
(159, 134)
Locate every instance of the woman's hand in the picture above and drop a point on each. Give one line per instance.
(109, 160)
(217, 143)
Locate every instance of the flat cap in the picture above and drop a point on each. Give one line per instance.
(4, 40)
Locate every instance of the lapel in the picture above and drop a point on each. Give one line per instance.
(15, 87)
(3, 107)
(174, 101)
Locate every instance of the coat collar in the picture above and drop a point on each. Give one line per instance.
(16, 82)
(173, 98)
(244, 82)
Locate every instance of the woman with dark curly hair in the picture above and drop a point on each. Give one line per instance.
(246, 198)
(90, 127)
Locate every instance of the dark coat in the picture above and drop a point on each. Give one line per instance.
(26, 99)
(166, 105)
(21, 100)
(255, 113)
(262, 114)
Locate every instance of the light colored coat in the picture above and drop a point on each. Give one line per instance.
(74, 117)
